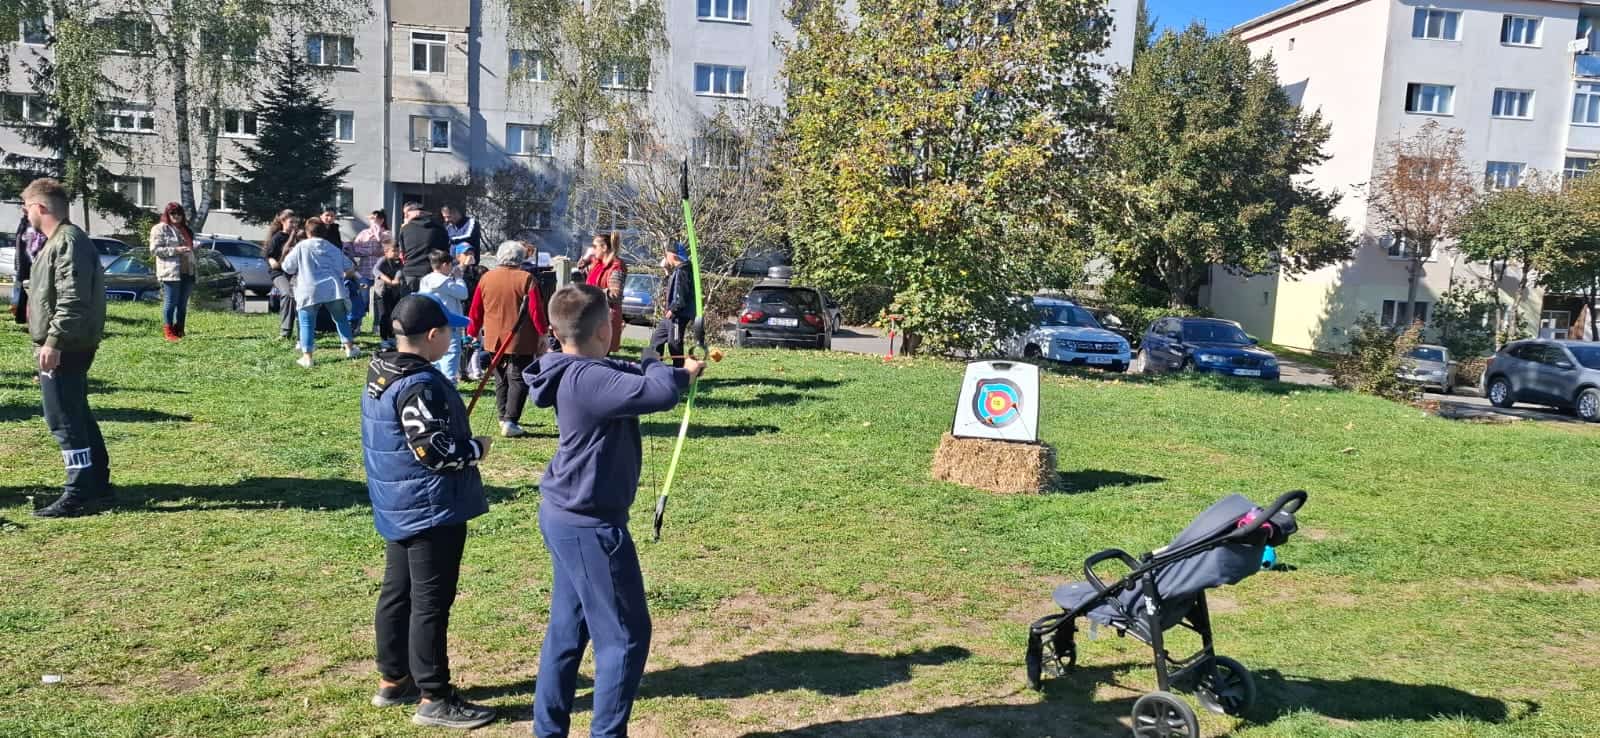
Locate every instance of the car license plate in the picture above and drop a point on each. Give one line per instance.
(785, 322)
(1247, 372)
(1099, 359)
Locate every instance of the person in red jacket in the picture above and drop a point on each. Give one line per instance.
(494, 312)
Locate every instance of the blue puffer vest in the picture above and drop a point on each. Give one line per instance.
(407, 497)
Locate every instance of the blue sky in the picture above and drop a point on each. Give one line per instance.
(1218, 15)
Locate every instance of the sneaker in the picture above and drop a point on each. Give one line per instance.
(304, 361)
(351, 352)
(168, 333)
(453, 712)
(511, 430)
(404, 693)
(66, 506)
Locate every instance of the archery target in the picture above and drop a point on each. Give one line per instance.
(999, 401)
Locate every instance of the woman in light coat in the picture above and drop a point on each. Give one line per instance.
(319, 269)
(172, 243)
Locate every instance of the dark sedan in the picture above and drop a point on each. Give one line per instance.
(109, 249)
(132, 277)
(781, 314)
(1204, 345)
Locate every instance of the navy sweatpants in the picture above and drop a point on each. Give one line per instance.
(597, 593)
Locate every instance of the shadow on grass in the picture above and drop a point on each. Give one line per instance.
(814, 383)
(1362, 699)
(97, 386)
(705, 431)
(762, 399)
(257, 493)
(1089, 480)
(17, 411)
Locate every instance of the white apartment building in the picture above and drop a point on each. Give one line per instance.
(1520, 78)
(422, 92)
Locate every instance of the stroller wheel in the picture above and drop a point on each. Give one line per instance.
(1035, 662)
(1229, 690)
(1163, 715)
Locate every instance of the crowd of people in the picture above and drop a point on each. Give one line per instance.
(420, 456)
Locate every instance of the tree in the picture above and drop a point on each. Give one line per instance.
(1466, 317)
(941, 150)
(1576, 269)
(1527, 227)
(1144, 32)
(1421, 189)
(509, 203)
(291, 163)
(1202, 165)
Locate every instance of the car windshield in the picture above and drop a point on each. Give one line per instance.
(109, 248)
(773, 298)
(1427, 354)
(127, 265)
(1589, 356)
(1070, 316)
(640, 283)
(236, 248)
(1213, 332)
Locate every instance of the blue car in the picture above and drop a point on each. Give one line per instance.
(1204, 345)
(638, 297)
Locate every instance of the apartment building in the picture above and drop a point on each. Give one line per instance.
(1520, 78)
(423, 91)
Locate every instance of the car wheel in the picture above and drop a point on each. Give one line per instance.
(1031, 352)
(1588, 405)
(1141, 362)
(1499, 393)
(740, 341)
(825, 341)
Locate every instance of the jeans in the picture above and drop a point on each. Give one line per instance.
(286, 311)
(308, 324)
(510, 390)
(419, 586)
(67, 414)
(597, 592)
(450, 364)
(175, 301)
(360, 291)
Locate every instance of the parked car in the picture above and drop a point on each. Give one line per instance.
(830, 307)
(1204, 345)
(109, 249)
(246, 258)
(1110, 321)
(1429, 366)
(783, 314)
(638, 297)
(1066, 332)
(132, 276)
(1563, 374)
(8, 256)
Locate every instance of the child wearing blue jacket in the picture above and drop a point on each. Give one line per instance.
(597, 590)
(422, 475)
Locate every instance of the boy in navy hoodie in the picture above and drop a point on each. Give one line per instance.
(422, 476)
(597, 590)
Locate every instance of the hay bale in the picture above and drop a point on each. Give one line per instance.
(1003, 467)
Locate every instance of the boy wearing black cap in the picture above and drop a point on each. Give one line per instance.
(422, 476)
(597, 590)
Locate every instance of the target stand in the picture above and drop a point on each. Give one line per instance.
(993, 443)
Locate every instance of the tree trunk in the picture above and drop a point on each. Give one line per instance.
(1413, 276)
(1594, 310)
(180, 109)
(1516, 303)
(208, 175)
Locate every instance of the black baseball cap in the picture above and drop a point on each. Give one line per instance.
(418, 314)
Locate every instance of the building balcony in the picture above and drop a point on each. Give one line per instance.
(1586, 64)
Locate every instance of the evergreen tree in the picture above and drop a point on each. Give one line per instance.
(291, 163)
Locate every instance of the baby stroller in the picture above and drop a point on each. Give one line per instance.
(1165, 588)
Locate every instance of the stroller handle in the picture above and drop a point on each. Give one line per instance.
(1106, 555)
(1288, 502)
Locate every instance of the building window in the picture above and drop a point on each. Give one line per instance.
(723, 10)
(718, 80)
(34, 31)
(1400, 247)
(237, 124)
(1513, 104)
(129, 119)
(1586, 104)
(430, 134)
(343, 125)
(140, 191)
(427, 52)
(538, 216)
(718, 152)
(225, 196)
(1436, 24)
(128, 35)
(220, 45)
(1430, 99)
(1576, 167)
(1519, 30)
(529, 66)
(343, 201)
(627, 74)
(1395, 315)
(1503, 175)
(18, 109)
(1589, 28)
(528, 140)
(326, 50)
(635, 147)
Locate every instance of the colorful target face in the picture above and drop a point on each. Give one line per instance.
(997, 403)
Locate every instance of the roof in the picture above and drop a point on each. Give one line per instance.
(1272, 15)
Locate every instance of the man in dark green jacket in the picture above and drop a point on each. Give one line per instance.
(66, 318)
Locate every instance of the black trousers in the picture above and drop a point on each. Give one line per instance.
(288, 316)
(510, 389)
(419, 586)
(67, 414)
(383, 307)
(670, 332)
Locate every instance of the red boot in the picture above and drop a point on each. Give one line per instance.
(168, 333)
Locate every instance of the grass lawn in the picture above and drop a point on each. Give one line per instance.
(814, 580)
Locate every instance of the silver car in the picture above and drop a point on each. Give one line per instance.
(1564, 374)
(1430, 367)
(246, 258)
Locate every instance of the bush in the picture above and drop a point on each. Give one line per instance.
(1464, 317)
(724, 299)
(1376, 353)
(864, 305)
